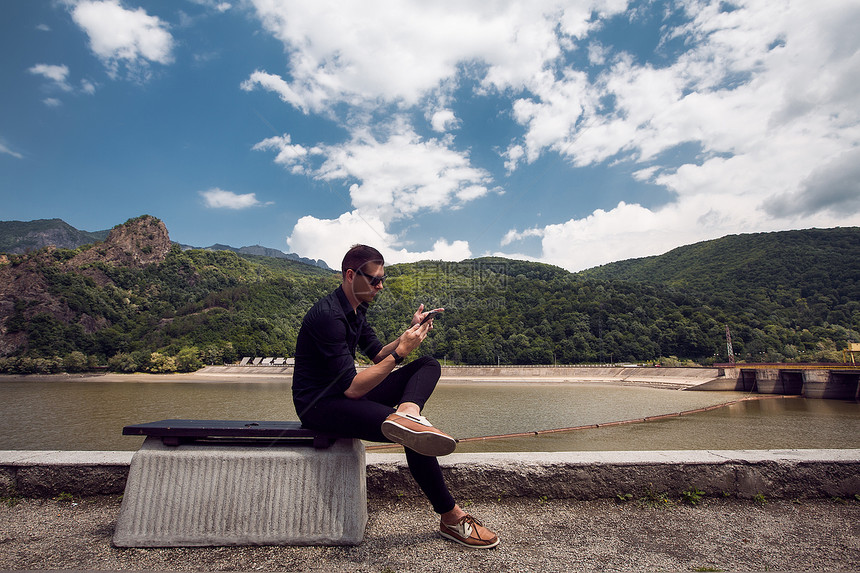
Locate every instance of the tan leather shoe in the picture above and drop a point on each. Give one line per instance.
(469, 532)
(416, 433)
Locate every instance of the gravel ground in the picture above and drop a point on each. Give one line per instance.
(536, 535)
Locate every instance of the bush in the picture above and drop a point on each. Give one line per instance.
(161, 363)
(188, 359)
(76, 361)
(122, 363)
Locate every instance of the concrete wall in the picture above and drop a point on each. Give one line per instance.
(580, 475)
(820, 382)
(668, 377)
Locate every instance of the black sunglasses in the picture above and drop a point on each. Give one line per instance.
(370, 278)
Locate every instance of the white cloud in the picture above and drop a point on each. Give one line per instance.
(275, 83)
(765, 91)
(220, 199)
(777, 149)
(443, 120)
(57, 74)
(390, 179)
(329, 239)
(602, 236)
(213, 5)
(376, 55)
(292, 157)
(365, 52)
(393, 178)
(88, 87)
(834, 187)
(4, 148)
(403, 174)
(58, 77)
(121, 36)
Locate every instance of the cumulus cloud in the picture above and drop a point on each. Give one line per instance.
(403, 174)
(329, 239)
(443, 120)
(834, 187)
(58, 79)
(360, 53)
(733, 82)
(119, 36)
(777, 150)
(221, 199)
(88, 87)
(292, 157)
(57, 74)
(389, 179)
(277, 84)
(405, 54)
(623, 232)
(214, 5)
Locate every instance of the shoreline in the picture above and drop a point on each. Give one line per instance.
(106, 377)
(654, 378)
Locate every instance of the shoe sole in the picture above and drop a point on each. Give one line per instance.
(425, 443)
(469, 545)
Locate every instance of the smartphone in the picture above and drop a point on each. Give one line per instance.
(430, 315)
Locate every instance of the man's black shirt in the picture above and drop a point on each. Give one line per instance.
(325, 349)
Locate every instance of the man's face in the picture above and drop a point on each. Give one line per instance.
(361, 287)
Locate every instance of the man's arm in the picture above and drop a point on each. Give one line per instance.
(369, 378)
(392, 346)
(387, 350)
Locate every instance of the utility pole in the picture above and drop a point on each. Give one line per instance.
(729, 350)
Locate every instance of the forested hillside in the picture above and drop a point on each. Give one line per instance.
(136, 303)
(23, 236)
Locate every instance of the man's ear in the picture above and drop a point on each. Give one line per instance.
(349, 280)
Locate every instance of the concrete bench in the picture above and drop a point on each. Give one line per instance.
(224, 482)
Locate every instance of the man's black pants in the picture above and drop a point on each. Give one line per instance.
(362, 419)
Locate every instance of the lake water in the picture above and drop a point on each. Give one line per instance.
(90, 415)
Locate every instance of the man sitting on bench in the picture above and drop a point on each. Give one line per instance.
(376, 404)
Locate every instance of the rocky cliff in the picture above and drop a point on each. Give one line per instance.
(136, 243)
(27, 292)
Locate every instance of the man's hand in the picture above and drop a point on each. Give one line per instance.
(412, 338)
(420, 314)
(415, 334)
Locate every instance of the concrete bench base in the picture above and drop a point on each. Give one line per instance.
(204, 495)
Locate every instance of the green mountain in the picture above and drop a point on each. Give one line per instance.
(19, 237)
(136, 301)
(810, 260)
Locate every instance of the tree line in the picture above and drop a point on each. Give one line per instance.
(202, 307)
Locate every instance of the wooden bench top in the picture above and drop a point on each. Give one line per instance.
(256, 432)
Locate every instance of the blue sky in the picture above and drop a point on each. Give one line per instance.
(575, 132)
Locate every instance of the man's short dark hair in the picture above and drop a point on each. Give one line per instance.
(358, 256)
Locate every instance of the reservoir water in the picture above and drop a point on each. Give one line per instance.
(90, 415)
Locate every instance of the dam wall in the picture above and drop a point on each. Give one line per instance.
(836, 381)
(661, 377)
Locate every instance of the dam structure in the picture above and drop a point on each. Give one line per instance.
(830, 381)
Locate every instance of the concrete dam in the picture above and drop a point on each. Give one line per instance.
(835, 381)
